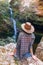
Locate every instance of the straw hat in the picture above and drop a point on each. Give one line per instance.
(27, 27)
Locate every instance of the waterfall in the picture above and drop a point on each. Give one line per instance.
(14, 23)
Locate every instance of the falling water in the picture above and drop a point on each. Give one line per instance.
(14, 23)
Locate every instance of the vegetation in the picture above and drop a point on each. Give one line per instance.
(5, 25)
(28, 14)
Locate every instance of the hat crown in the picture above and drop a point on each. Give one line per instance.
(28, 23)
(27, 26)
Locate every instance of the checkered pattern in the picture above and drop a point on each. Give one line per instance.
(24, 43)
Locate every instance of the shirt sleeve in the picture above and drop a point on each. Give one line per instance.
(19, 41)
(18, 45)
(32, 40)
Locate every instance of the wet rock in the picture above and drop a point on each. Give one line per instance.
(30, 61)
(6, 57)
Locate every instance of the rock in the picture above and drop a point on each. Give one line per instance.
(7, 59)
(39, 50)
(31, 61)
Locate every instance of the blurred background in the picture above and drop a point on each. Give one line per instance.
(20, 11)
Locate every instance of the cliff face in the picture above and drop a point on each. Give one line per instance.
(32, 9)
(39, 50)
(39, 8)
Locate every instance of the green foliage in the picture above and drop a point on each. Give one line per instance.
(5, 24)
(4, 10)
(7, 40)
(28, 13)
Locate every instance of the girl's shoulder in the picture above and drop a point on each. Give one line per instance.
(33, 35)
(21, 33)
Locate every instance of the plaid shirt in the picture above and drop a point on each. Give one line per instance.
(24, 43)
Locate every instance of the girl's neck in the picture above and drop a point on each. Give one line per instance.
(26, 33)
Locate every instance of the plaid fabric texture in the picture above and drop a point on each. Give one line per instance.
(24, 43)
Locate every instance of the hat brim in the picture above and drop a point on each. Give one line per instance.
(27, 31)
